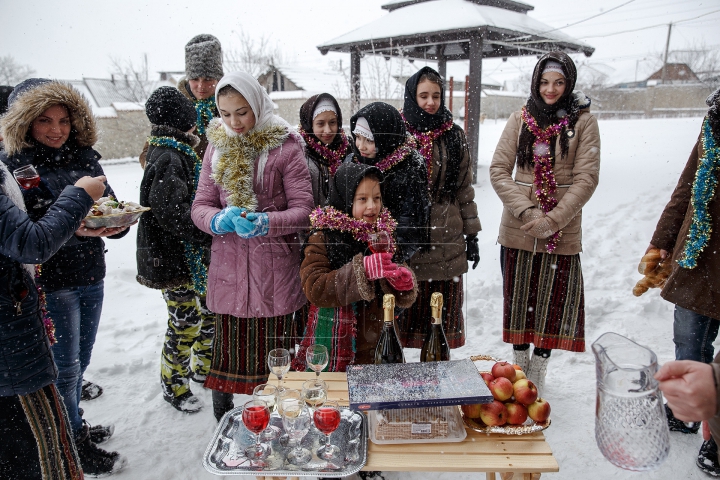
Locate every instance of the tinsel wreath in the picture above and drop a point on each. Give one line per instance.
(703, 191)
(205, 109)
(235, 167)
(333, 157)
(544, 179)
(329, 218)
(193, 251)
(425, 141)
(397, 156)
(42, 300)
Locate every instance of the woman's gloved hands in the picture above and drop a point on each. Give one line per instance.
(531, 214)
(223, 221)
(252, 225)
(540, 227)
(472, 250)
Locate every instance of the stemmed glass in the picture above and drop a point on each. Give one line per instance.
(327, 420)
(317, 358)
(279, 363)
(380, 242)
(268, 394)
(287, 396)
(296, 421)
(27, 176)
(314, 393)
(255, 417)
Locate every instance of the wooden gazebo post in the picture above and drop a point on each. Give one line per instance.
(474, 100)
(354, 80)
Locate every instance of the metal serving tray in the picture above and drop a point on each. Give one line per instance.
(225, 453)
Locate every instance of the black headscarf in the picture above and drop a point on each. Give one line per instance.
(387, 127)
(306, 116)
(342, 246)
(453, 139)
(545, 114)
(416, 116)
(713, 115)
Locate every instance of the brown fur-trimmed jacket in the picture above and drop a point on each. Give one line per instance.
(577, 176)
(328, 288)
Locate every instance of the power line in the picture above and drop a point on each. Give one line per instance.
(650, 26)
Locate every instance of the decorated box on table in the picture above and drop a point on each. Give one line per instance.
(414, 385)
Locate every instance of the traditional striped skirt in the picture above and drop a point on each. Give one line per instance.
(36, 439)
(543, 300)
(414, 322)
(240, 350)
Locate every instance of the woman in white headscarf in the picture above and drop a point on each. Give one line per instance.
(253, 197)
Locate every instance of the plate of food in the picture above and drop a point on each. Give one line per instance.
(516, 408)
(109, 212)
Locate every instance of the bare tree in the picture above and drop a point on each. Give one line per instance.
(252, 55)
(131, 81)
(12, 73)
(702, 59)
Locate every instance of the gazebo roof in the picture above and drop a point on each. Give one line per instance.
(421, 29)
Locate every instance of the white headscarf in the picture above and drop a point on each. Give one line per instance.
(362, 127)
(325, 105)
(260, 103)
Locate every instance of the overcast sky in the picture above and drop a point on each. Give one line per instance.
(71, 39)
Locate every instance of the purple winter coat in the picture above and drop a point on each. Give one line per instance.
(259, 277)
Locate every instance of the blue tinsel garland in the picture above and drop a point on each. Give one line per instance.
(205, 112)
(703, 191)
(193, 251)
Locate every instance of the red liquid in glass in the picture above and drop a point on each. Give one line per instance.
(380, 243)
(256, 418)
(28, 183)
(327, 420)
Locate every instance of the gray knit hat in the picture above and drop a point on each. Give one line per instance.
(203, 57)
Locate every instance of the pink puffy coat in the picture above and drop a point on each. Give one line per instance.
(259, 277)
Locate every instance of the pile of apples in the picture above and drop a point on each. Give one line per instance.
(516, 398)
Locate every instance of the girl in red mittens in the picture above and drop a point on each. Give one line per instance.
(343, 279)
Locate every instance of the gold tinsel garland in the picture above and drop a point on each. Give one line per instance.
(235, 167)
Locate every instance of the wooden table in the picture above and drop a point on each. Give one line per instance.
(510, 456)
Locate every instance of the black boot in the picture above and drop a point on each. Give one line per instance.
(90, 391)
(101, 433)
(95, 461)
(680, 426)
(222, 403)
(707, 459)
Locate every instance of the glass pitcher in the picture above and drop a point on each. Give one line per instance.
(631, 429)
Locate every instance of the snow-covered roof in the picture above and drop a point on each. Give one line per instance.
(506, 4)
(449, 22)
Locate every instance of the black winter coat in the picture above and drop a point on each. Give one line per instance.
(168, 189)
(81, 261)
(26, 363)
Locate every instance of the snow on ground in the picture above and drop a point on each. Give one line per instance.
(641, 162)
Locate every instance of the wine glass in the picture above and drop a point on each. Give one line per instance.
(380, 242)
(279, 363)
(268, 394)
(27, 176)
(327, 420)
(296, 421)
(317, 358)
(314, 393)
(255, 417)
(287, 396)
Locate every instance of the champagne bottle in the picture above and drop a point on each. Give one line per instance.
(388, 349)
(435, 347)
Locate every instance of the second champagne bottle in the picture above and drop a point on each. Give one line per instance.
(435, 347)
(388, 349)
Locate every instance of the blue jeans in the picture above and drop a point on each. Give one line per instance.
(694, 335)
(76, 314)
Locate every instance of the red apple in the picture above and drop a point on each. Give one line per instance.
(503, 369)
(501, 388)
(525, 391)
(493, 414)
(517, 413)
(519, 375)
(487, 377)
(539, 410)
(471, 411)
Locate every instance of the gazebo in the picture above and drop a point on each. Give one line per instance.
(446, 30)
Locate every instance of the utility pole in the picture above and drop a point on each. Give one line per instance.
(667, 48)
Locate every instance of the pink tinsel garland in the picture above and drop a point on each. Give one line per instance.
(333, 157)
(544, 176)
(47, 321)
(397, 156)
(425, 141)
(328, 218)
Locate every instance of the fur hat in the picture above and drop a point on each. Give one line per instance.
(167, 106)
(203, 57)
(31, 98)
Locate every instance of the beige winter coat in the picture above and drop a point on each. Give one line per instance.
(449, 222)
(576, 175)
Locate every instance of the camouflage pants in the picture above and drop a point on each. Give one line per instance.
(188, 341)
